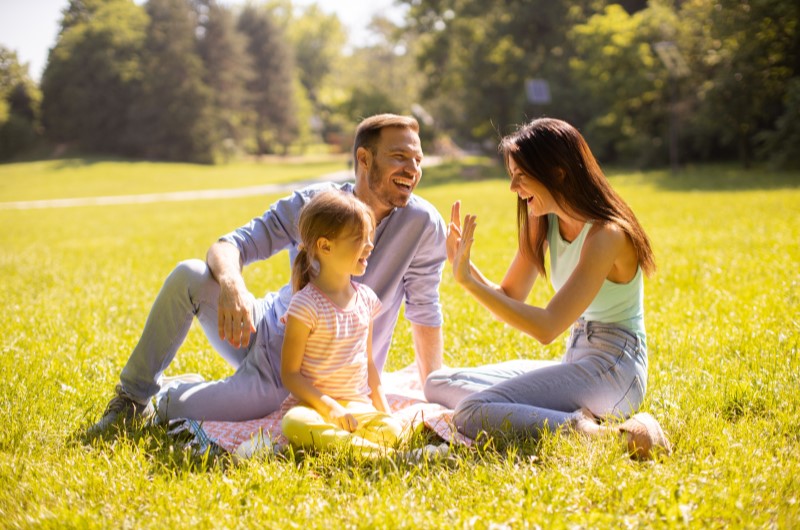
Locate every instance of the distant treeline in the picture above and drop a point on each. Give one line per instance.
(649, 83)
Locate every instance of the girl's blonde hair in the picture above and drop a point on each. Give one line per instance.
(329, 214)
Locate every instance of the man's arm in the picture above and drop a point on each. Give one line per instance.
(428, 346)
(235, 312)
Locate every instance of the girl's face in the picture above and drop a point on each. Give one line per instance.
(540, 202)
(349, 252)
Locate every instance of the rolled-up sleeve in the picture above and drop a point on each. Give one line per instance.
(274, 231)
(424, 274)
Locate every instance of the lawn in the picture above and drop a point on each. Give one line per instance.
(723, 319)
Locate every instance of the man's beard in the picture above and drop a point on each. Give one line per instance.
(383, 189)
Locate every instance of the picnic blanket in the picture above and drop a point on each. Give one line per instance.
(403, 392)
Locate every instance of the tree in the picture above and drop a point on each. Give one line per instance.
(318, 40)
(227, 70)
(271, 89)
(92, 75)
(745, 55)
(477, 56)
(19, 106)
(173, 115)
(620, 76)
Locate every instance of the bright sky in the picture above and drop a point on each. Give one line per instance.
(30, 27)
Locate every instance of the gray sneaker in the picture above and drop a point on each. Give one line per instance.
(122, 410)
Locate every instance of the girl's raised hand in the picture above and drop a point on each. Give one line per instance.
(453, 230)
(461, 263)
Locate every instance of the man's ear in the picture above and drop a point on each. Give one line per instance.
(364, 158)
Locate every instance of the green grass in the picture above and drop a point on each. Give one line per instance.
(723, 327)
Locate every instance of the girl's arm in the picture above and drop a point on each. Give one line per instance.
(294, 347)
(544, 324)
(374, 379)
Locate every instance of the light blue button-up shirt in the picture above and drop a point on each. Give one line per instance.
(405, 266)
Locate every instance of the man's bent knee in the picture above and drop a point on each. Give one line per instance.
(190, 272)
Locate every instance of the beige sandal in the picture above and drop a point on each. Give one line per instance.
(645, 437)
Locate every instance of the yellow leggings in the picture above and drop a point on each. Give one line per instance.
(375, 434)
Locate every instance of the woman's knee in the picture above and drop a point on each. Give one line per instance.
(436, 383)
(466, 412)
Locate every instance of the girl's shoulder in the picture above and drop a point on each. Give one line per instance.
(364, 289)
(366, 292)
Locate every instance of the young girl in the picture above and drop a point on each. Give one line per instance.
(326, 361)
(598, 254)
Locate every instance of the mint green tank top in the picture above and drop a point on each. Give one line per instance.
(615, 303)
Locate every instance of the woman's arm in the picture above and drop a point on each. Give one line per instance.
(599, 252)
(519, 278)
(294, 347)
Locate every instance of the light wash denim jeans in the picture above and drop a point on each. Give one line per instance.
(604, 370)
(253, 391)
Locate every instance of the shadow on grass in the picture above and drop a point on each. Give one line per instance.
(166, 452)
(692, 178)
(470, 169)
(713, 178)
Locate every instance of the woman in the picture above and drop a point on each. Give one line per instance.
(598, 255)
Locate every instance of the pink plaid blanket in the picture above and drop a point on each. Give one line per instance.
(402, 391)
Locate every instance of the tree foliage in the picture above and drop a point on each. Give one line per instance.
(227, 71)
(599, 60)
(173, 113)
(271, 87)
(19, 105)
(745, 57)
(196, 79)
(93, 74)
(620, 76)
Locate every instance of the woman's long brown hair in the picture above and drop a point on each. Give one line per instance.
(554, 153)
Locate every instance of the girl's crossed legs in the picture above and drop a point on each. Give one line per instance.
(375, 435)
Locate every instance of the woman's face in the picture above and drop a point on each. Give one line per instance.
(539, 200)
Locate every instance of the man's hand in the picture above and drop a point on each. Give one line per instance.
(235, 306)
(235, 313)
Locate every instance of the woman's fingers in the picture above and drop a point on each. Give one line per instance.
(468, 230)
(455, 214)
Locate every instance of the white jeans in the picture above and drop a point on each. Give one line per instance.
(253, 391)
(604, 370)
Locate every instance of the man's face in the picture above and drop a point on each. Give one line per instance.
(394, 170)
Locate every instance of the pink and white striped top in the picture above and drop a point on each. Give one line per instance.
(335, 360)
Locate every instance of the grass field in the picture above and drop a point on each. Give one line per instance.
(723, 318)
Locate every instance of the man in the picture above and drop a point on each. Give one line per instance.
(405, 266)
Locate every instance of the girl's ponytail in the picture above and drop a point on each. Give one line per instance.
(301, 269)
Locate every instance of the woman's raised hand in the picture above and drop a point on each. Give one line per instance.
(461, 264)
(453, 230)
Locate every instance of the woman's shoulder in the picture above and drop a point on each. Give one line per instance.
(611, 238)
(608, 231)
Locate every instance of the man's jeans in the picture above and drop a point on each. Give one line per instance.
(253, 391)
